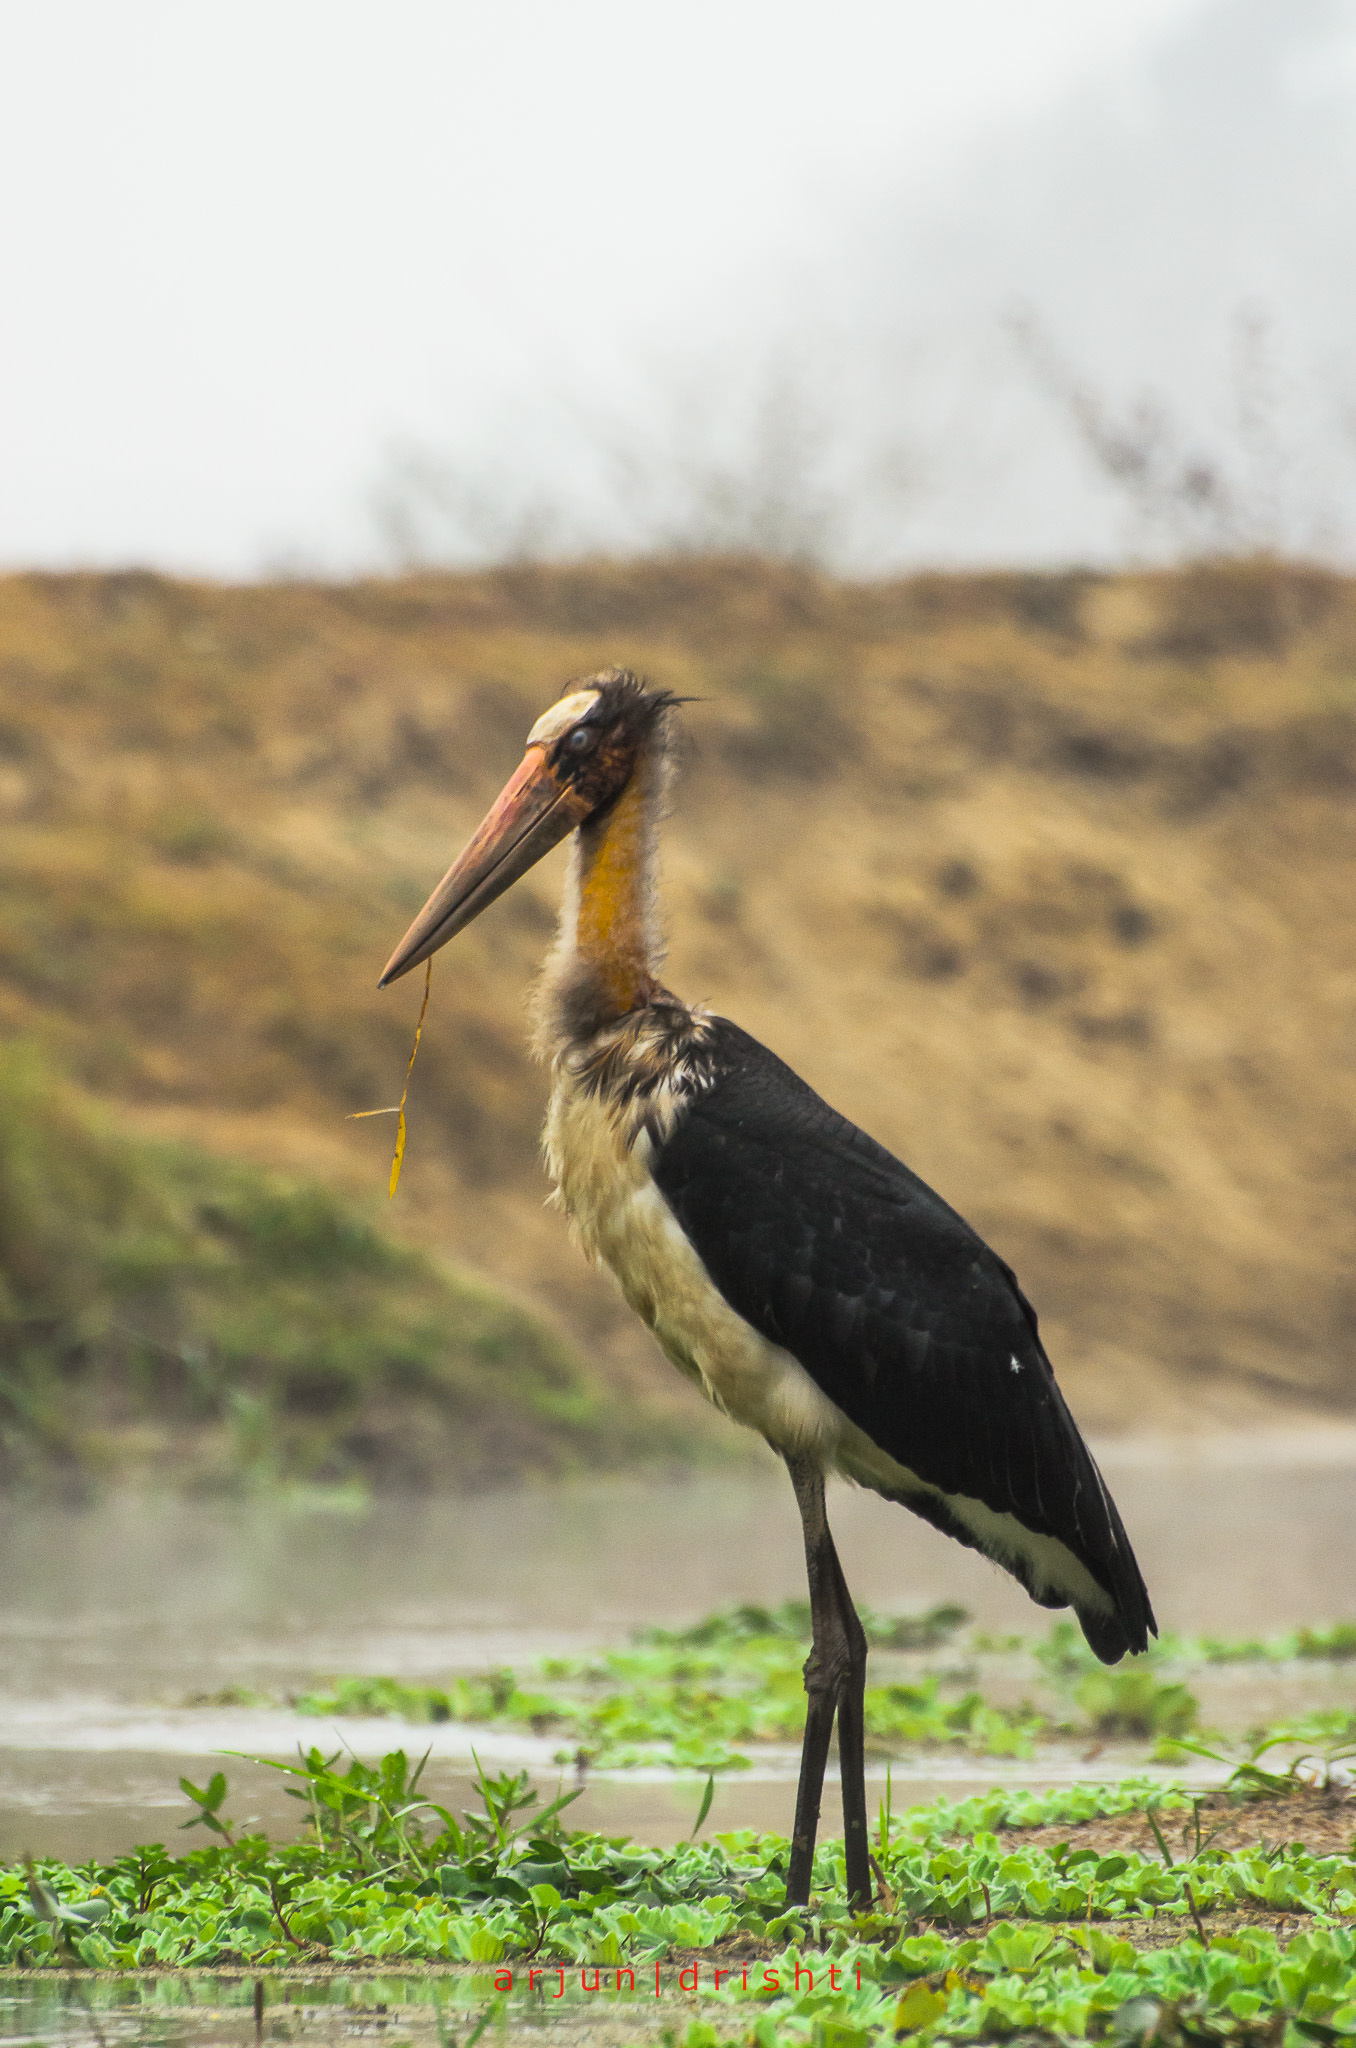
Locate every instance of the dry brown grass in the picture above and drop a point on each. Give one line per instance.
(1046, 880)
(1323, 1822)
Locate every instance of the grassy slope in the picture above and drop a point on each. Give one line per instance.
(1047, 881)
(167, 1313)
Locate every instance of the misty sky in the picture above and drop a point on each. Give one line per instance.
(305, 285)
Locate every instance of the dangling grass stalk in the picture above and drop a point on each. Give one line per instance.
(397, 1110)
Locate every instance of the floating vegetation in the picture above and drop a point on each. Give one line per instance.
(1336, 1641)
(694, 1697)
(997, 1915)
(699, 1698)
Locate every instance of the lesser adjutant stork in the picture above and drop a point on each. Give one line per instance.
(812, 1286)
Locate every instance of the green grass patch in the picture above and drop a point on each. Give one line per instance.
(158, 1301)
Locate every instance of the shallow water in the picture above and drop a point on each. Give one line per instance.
(203, 2010)
(113, 1617)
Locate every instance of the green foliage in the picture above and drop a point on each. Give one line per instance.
(688, 1697)
(976, 1933)
(263, 1327)
(209, 1802)
(699, 1697)
(1132, 1699)
(382, 1872)
(732, 1627)
(1135, 1702)
(926, 1631)
(374, 1815)
(1336, 1640)
(1319, 1746)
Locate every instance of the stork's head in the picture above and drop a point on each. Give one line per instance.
(580, 756)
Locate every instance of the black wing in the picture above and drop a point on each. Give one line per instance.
(833, 1249)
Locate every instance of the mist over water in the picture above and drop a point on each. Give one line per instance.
(119, 1623)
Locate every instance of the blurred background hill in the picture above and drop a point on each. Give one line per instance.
(960, 402)
(1045, 879)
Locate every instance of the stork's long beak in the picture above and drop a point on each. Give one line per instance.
(532, 814)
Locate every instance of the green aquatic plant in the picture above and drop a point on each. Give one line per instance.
(731, 1627)
(703, 1697)
(377, 1814)
(209, 1801)
(1321, 1746)
(1135, 1701)
(695, 1697)
(1335, 1641)
(979, 1930)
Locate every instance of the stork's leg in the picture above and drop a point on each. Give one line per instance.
(851, 1751)
(835, 1679)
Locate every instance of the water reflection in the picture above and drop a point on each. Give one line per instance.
(198, 2010)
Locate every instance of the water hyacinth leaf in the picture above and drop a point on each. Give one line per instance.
(1137, 2020)
(1007, 1939)
(88, 1913)
(918, 2008)
(43, 1900)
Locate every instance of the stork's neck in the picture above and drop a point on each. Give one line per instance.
(615, 856)
(607, 957)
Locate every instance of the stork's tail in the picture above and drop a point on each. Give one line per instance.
(1127, 1629)
(1113, 1636)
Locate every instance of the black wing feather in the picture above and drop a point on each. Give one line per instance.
(832, 1248)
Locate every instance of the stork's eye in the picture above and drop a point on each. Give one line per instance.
(581, 739)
